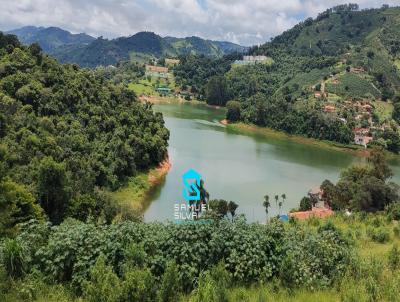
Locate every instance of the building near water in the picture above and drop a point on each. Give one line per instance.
(163, 90)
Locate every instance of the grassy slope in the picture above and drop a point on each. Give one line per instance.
(133, 195)
(353, 85)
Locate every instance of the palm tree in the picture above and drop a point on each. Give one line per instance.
(283, 198)
(266, 204)
(280, 206)
(276, 199)
(232, 206)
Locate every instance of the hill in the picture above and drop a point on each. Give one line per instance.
(90, 52)
(50, 38)
(68, 136)
(328, 76)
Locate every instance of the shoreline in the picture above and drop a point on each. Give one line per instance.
(133, 196)
(175, 100)
(272, 133)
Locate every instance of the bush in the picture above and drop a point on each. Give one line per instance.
(393, 211)
(103, 284)
(213, 285)
(169, 286)
(394, 258)
(138, 285)
(380, 235)
(314, 260)
(305, 204)
(134, 256)
(396, 231)
(233, 111)
(13, 258)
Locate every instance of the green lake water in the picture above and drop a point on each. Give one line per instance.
(237, 167)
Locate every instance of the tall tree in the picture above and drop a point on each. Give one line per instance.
(266, 204)
(217, 91)
(380, 166)
(53, 191)
(232, 207)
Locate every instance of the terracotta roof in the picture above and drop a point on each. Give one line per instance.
(315, 212)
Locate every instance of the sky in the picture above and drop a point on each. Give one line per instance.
(247, 22)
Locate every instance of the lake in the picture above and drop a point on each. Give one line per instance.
(237, 167)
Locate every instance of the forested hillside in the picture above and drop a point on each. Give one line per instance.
(66, 136)
(50, 38)
(323, 78)
(87, 51)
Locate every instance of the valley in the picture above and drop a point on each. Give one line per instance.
(150, 167)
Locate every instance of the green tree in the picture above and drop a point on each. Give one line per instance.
(283, 198)
(305, 204)
(103, 284)
(276, 199)
(396, 112)
(169, 286)
(266, 204)
(219, 206)
(13, 258)
(52, 189)
(233, 111)
(138, 285)
(232, 207)
(17, 205)
(217, 91)
(380, 166)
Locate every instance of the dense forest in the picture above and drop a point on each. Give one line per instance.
(67, 135)
(342, 59)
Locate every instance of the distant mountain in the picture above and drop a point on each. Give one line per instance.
(50, 38)
(90, 52)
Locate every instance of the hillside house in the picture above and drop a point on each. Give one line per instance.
(250, 60)
(357, 70)
(362, 140)
(255, 58)
(314, 212)
(172, 62)
(315, 195)
(329, 108)
(154, 68)
(163, 90)
(361, 131)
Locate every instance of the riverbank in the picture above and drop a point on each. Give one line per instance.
(175, 100)
(133, 196)
(249, 129)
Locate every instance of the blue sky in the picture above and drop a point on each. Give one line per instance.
(247, 22)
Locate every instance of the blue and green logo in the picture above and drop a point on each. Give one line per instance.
(191, 182)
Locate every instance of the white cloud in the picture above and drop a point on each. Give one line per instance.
(241, 21)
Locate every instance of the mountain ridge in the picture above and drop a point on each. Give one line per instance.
(89, 51)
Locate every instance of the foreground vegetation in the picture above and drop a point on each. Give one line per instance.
(352, 258)
(347, 257)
